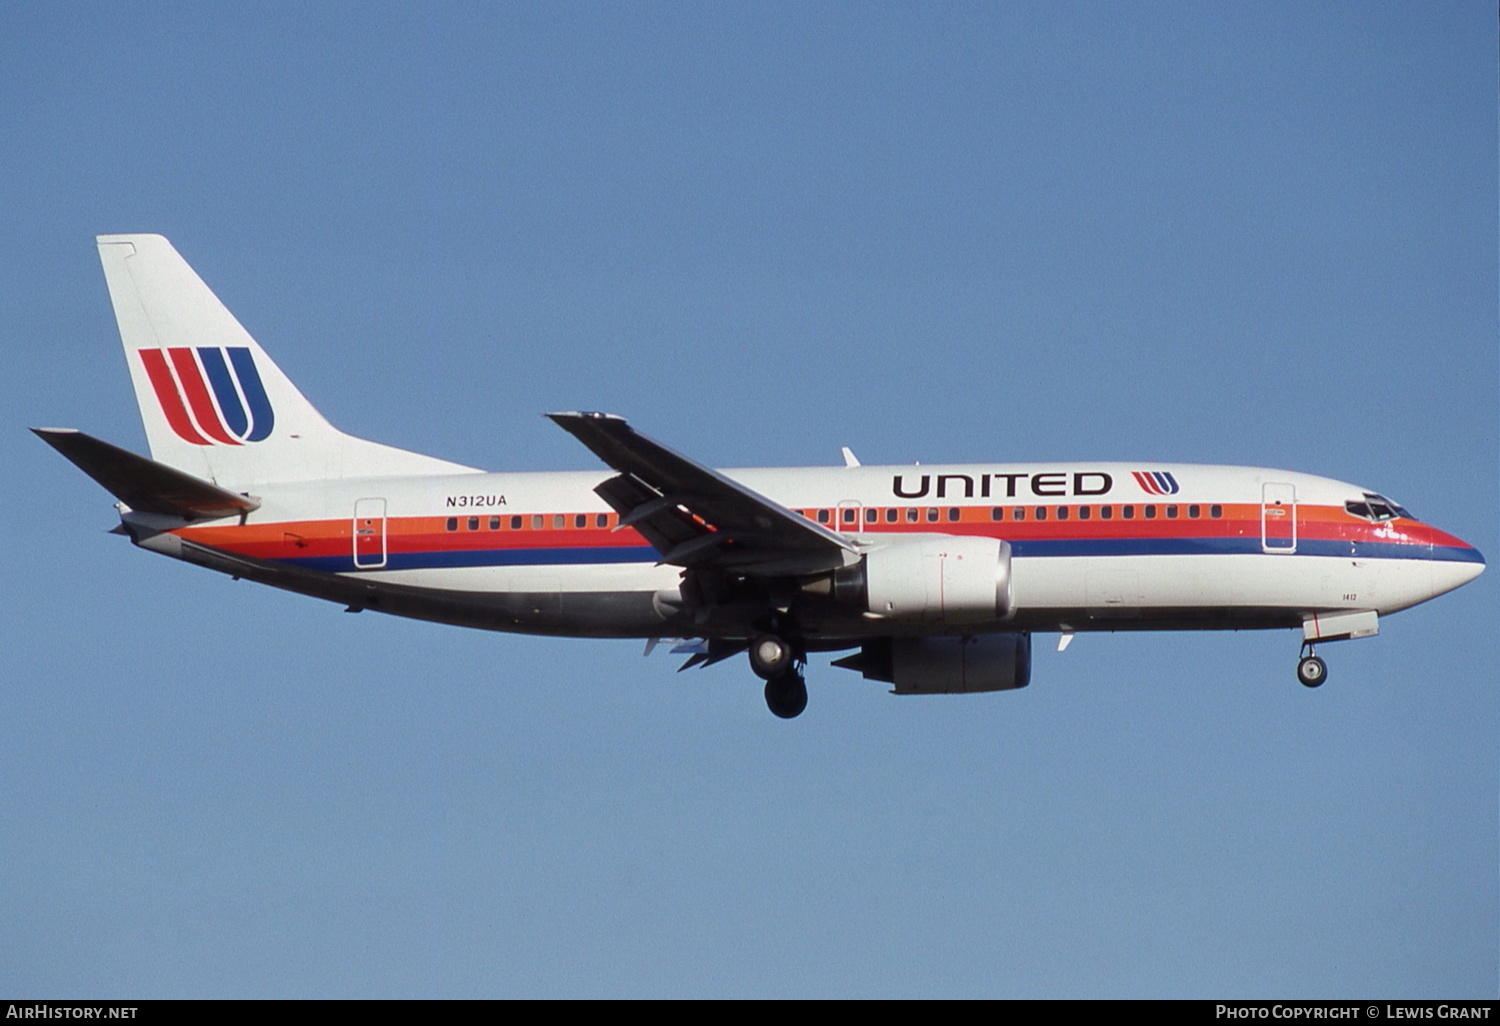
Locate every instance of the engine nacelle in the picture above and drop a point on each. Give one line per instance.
(946, 666)
(941, 579)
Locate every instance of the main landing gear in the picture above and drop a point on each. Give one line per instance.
(770, 655)
(773, 658)
(786, 694)
(1311, 670)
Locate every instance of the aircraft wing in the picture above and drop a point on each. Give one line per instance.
(695, 516)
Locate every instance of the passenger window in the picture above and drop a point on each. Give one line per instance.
(998, 513)
(1019, 513)
(1150, 512)
(494, 523)
(601, 520)
(559, 520)
(536, 521)
(872, 516)
(1106, 512)
(932, 514)
(952, 512)
(1193, 512)
(473, 523)
(1083, 512)
(892, 515)
(581, 520)
(849, 514)
(912, 514)
(1041, 512)
(1128, 512)
(822, 516)
(1216, 511)
(515, 523)
(1062, 512)
(1171, 512)
(452, 523)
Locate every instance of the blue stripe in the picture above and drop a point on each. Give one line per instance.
(1231, 546)
(223, 385)
(585, 556)
(255, 393)
(1451, 554)
(486, 557)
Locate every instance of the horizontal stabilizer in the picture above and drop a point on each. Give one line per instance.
(142, 484)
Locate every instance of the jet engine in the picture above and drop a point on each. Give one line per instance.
(935, 579)
(946, 666)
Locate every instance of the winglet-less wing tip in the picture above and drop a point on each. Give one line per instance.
(581, 415)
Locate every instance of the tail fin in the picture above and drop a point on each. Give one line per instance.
(214, 404)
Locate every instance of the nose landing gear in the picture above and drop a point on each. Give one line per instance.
(1311, 670)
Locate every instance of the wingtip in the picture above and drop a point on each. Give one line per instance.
(563, 415)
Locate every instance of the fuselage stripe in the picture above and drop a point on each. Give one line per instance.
(584, 555)
(426, 541)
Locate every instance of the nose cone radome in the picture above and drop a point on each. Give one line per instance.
(1454, 563)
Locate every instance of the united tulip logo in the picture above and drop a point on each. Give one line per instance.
(210, 395)
(1155, 482)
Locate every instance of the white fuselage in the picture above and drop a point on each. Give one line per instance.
(1092, 547)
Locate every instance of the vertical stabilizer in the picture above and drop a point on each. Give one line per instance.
(213, 403)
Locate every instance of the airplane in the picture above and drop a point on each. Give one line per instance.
(935, 577)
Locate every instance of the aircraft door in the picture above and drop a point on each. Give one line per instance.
(1278, 517)
(849, 514)
(369, 534)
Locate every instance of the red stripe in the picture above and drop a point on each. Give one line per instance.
(167, 395)
(198, 397)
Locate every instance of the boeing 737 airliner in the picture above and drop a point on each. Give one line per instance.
(935, 576)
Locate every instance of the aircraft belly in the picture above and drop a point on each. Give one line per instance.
(594, 614)
(571, 578)
(623, 600)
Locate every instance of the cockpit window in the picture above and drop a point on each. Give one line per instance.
(1375, 507)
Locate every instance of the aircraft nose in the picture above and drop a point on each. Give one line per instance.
(1454, 563)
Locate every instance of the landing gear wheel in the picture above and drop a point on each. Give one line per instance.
(786, 694)
(770, 657)
(1311, 671)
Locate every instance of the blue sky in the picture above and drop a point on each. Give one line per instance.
(1238, 233)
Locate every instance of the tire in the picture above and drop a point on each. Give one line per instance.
(1312, 671)
(786, 695)
(770, 656)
